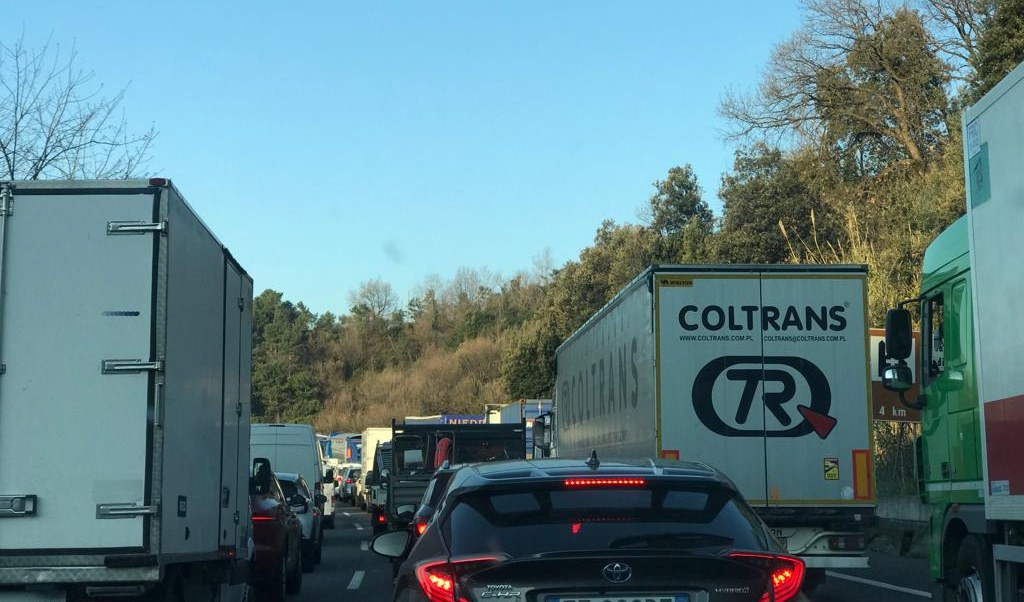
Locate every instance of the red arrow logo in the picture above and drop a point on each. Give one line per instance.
(821, 423)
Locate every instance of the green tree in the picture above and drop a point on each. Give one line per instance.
(284, 387)
(1000, 46)
(766, 189)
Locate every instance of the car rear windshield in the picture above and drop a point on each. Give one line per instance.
(522, 522)
(289, 488)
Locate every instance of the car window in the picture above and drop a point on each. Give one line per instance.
(289, 488)
(301, 486)
(528, 521)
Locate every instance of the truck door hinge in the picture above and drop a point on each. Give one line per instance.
(17, 506)
(127, 510)
(7, 199)
(241, 303)
(238, 408)
(130, 366)
(136, 227)
(237, 517)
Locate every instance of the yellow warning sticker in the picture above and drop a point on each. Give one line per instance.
(831, 469)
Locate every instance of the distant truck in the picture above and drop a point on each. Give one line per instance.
(126, 331)
(523, 411)
(369, 440)
(418, 450)
(969, 456)
(759, 371)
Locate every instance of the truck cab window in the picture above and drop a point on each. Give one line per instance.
(934, 342)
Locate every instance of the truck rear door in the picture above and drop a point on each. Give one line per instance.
(815, 389)
(76, 381)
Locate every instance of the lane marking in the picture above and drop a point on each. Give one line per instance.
(895, 588)
(364, 546)
(346, 514)
(358, 527)
(357, 580)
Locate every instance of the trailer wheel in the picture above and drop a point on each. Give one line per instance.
(971, 578)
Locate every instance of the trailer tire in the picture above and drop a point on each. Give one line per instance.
(971, 579)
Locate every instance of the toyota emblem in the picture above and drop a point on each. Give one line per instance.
(617, 572)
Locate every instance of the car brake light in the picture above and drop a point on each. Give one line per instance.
(438, 578)
(258, 518)
(348, 481)
(382, 519)
(786, 573)
(605, 482)
(420, 527)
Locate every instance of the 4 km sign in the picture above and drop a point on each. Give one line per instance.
(885, 405)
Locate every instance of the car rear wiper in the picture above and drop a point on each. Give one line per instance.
(671, 540)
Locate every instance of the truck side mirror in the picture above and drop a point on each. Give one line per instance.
(897, 378)
(329, 478)
(898, 334)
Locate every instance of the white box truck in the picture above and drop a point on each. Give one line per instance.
(125, 334)
(759, 371)
(371, 437)
(994, 155)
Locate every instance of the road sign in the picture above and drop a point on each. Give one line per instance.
(885, 404)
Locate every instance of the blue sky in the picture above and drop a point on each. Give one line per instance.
(328, 143)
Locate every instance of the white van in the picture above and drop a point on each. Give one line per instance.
(294, 448)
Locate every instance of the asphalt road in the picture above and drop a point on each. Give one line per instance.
(350, 573)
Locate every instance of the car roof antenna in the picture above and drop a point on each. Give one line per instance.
(593, 462)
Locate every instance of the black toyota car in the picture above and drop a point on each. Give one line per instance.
(586, 531)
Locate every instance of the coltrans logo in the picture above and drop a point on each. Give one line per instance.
(763, 317)
(775, 375)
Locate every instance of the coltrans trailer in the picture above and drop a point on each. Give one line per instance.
(125, 333)
(970, 456)
(759, 371)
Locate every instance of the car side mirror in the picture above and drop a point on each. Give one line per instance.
(321, 499)
(298, 503)
(405, 512)
(260, 481)
(897, 378)
(391, 544)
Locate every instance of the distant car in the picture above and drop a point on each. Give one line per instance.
(348, 484)
(294, 448)
(590, 531)
(276, 568)
(305, 504)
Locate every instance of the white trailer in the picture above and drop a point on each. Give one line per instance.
(760, 371)
(994, 156)
(371, 437)
(124, 335)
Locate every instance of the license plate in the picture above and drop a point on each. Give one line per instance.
(622, 598)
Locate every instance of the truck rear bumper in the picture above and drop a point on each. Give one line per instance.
(77, 574)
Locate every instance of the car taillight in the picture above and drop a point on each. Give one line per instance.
(382, 519)
(259, 518)
(786, 573)
(348, 481)
(605, 482)
(421, 526)
(438, 578)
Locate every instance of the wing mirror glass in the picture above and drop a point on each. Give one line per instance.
(898, 334)
(405, 512)
(262, 474)
(391, 544)
(897, 378)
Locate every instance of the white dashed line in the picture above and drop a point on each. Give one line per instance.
(357, 580)
(359, 527)
(895, 588)
(346, 514)
(364, 546)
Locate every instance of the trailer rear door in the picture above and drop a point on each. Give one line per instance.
(78, 311)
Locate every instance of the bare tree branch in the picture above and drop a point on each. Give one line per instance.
(56, 122)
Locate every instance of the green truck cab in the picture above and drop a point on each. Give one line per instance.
(949, 470)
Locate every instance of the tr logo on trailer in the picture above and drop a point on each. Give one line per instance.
(752, 371)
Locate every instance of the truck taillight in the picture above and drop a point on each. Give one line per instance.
(785, 573)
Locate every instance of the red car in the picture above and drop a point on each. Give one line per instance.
(276, 569)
